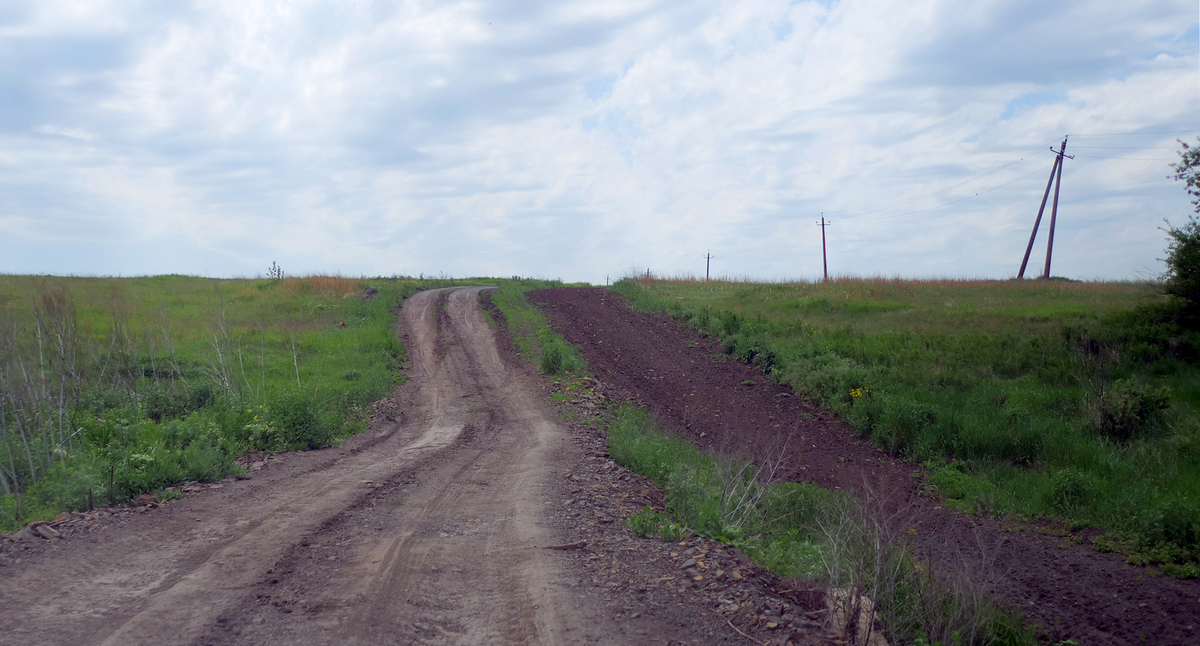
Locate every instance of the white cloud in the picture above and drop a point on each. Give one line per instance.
(578, 139)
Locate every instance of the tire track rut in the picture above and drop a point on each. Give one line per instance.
(470, 458)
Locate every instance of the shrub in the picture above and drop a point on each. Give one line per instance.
(160, 404)
(558, 356)
(1126, 409)
(1069, 490)
(201, 395)
(903, 423)
(644, 523)
(297, 423)
(1170, 521)
(1182, 277)
(551, 361)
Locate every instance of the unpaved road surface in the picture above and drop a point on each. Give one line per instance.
(432, 528)
(697, 391)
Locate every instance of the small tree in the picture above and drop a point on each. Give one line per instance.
(1182, 278)
(1188, 170)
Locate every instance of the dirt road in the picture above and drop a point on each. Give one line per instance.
(430, 529)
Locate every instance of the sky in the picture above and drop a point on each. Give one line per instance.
(587, 140)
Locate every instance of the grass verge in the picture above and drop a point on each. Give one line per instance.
(792, 529)
(527, 326)
(115, 387)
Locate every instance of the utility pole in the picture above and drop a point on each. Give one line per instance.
(824, 257)
(707, 262)
(1054, 209)
(1055, 181)
(1038, 221)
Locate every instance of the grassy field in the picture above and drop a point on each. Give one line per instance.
(1056, 400)
(792, 529)
(114, 387)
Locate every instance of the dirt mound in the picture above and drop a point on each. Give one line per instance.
(699, 392)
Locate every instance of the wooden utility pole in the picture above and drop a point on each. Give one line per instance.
(1054, 209)
(824, 257)
(1038, 221)
(707, 262)
(1056, 181)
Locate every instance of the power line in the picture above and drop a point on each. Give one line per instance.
(868, 211)
(948, 188)
(791, 246)
(766, 246)
(1131, 147)
(1040, 148)
(1159, 159)
(1133, 134)
(963, 199)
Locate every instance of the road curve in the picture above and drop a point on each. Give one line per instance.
(426, 531)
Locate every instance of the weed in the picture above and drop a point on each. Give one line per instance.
(784, 526)
(126, 386)
(1070, 489)
(672, 532)
(644, 523)
(1124, 411)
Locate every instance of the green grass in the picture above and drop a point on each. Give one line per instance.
(802, 530)
(535, 340)
(1038, 399)
(122, 386)
(790, 528)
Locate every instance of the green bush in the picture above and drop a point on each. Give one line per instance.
(1127, 409)
(646, 522)
(558, 356)
(1070, 489)
(1182, 278)
(1169, 522)
(298, 424)
(903, 423)
(553, 356)
(201, 394)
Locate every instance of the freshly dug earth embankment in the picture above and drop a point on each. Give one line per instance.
(698, 391)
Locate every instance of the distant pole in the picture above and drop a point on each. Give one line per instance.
(824, 257)
(1038, 221)
(1054, 209)
(707, 262)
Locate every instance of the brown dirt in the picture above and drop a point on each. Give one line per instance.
(438, 525)
(697, 391)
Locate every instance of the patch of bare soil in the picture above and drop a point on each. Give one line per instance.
(467, 513)
(697, 391)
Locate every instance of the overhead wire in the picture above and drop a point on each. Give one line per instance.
(1030, 153)
(766, 246)
(963, 199)
(868, 211)
(793, 246)
(1158, 159)
(886, 207)
(1132, 134)
(1125, 147)
(948, 188)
